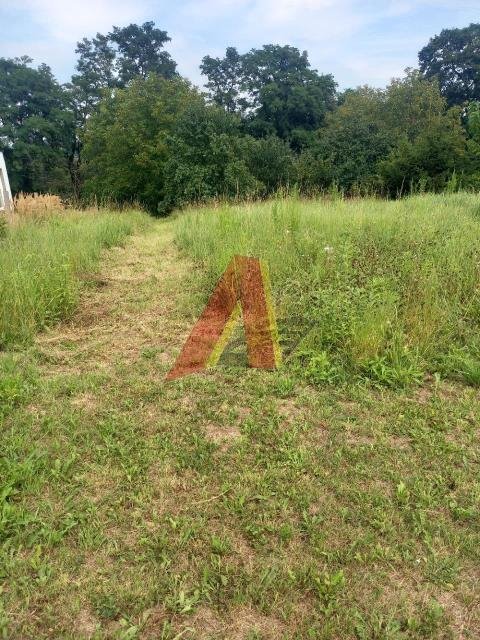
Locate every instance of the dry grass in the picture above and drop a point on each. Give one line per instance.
(37, 205)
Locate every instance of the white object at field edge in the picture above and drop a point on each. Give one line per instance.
(6, 202)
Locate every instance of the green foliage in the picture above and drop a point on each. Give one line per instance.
(453, 57)
(319, 369)
(355, 138)
(274, 88)
(430, 160)
(473, 120)
(127, 140)
(36, 127)
(271, 162)
(395, 140)
(178, 149)
(16, 384)
(114, 60)
(140, 52)
(128, 128)
(107, 62)
(224, 80)
(207, 158)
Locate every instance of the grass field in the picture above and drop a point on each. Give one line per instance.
(327, 500)
(387, 291)
(43, 262)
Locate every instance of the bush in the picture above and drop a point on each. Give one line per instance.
(431, 159)
(206, 159)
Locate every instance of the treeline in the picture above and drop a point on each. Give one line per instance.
(129, 128)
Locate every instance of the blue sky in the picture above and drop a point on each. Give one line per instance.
(359, 41)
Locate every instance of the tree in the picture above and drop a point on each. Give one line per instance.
(95, 74)
(382, 138)
(412, 103)
(208, 158)
(113, 60)
(126, 140)
(36, 127)
(473, 120)
(140, 52)
(225, 80)
(430, 160)
(107, 62)
(275, 90)
(453, 57)
(272, 163)
(430, 142)
(355, 138)
(178, 149)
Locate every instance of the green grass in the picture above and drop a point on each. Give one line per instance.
(387, 291)
(42, 265)
(236, 504)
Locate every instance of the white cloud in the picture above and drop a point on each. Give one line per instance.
(68, 21)
(358, 40)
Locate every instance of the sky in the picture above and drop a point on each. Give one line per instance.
(359, 41)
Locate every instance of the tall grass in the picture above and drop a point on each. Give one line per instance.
(37, 205)
(42, 263)
(389, 291)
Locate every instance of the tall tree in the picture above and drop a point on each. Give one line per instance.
(289, 97)
(454, 58)
(36, 127)
(178, 149)
(95, 73)
(275, 90)
(393, 138)
(208, 157)
(115, 59)
(412, 104)
(128, 167)
(355, 138)
(225, 80)
(430, 142)
(111, 61)
(140, 52)
(430, 160)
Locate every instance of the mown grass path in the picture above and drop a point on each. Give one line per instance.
(234, 504)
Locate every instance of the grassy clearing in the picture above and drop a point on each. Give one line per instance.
(387, 291)
(237, 504)
(42, 264)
